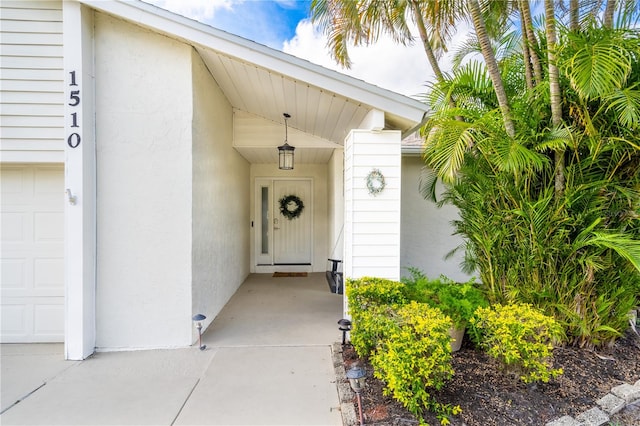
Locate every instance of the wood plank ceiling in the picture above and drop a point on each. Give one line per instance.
(325, 117)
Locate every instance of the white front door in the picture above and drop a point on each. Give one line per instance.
(281, 240)
(292, 237)
(32, 279)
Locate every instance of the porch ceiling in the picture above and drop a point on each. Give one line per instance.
(268, 94)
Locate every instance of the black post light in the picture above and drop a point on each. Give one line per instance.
(198, 318)
(357, 377)
(285, 151)
(344, 326)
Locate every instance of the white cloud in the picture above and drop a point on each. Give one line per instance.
(403, 69)
(200, 10)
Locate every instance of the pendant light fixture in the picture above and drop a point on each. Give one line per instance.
(285, 151)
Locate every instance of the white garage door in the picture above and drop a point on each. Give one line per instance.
(32, 253)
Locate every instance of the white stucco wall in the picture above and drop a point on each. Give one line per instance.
(144, 223)
(220, 199)
(318, 173)
(426, 230)
(335, 205)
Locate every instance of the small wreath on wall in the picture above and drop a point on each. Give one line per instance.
(375, 182)
(291, 206)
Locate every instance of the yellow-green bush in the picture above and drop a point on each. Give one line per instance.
(366, 292)
(414, 358)
(519, 336)
(372, 303)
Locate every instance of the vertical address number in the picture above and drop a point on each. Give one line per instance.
(73, 140)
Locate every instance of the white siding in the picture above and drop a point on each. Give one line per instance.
(31, 78)
(372, 223)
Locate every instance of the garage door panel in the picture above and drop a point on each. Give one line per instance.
(32, 287)
(15, 320)
(13, 273)
(49, 274)
(48, 319)
(13, 227)
(15, 186)
(46, 227)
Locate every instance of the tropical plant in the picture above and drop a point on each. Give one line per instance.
(550, 216)
(458, 301)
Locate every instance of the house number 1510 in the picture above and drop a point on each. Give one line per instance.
(73, 140)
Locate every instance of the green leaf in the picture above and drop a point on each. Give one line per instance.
(598, 68)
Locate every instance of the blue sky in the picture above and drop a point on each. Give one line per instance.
(285, 25)
(268, 22)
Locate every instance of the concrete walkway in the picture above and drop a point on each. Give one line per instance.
(267, 362)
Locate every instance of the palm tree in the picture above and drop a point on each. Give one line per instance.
(529, 39)
(575, 254)
(492, 65)
(364, 21)
(554, 88)
(608, 13)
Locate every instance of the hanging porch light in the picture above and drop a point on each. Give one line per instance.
(285, 151)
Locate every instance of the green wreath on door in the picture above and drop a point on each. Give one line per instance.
(291, 206)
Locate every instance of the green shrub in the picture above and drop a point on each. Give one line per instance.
(372, 304)
(457, 300)
(519, 336)
(415, 357)
(370, 328)
(366, 292)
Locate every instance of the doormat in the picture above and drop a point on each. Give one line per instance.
(289, 274)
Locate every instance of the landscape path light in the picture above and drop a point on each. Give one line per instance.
(198, 318)
(344, 326)
(357, 376)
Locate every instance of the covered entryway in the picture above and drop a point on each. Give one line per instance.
(32, 253)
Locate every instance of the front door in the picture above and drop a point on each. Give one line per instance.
(283, 239)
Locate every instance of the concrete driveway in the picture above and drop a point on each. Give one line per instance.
(267, 362)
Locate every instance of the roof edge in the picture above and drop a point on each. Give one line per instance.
(195, 32)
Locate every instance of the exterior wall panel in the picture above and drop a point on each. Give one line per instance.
(372, 222)
(220, 199)
(31, 79)
(427, 234)
(144, 181)
(335, 205)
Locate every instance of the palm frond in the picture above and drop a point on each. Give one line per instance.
(626, 104)
(446, 146)
(597, 66)
(427, 184)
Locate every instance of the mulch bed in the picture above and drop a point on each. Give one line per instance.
(490, 397)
